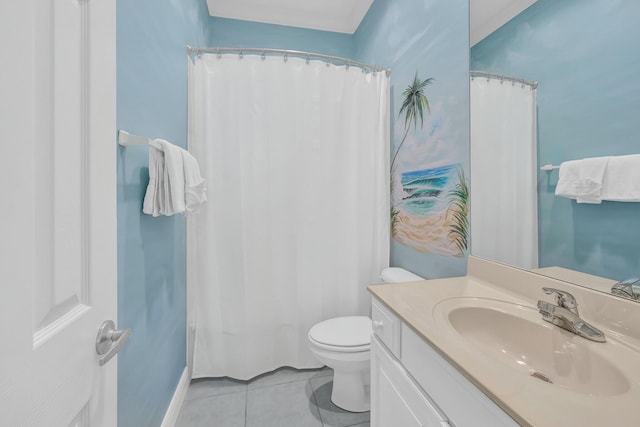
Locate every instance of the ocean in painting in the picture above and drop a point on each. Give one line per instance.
(424, 192)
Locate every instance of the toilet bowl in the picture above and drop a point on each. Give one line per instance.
(343, 344)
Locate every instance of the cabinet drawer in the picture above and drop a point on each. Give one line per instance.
(448, 387)
(386, 326)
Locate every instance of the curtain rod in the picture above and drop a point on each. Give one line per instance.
(297, 53)
(503, 78)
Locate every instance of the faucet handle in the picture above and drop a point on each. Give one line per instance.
(564, 299)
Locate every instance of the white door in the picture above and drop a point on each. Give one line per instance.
(57, 211)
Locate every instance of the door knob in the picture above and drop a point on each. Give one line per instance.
(110, 340)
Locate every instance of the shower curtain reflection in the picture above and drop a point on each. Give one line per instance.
(295, 153)
(504, 215)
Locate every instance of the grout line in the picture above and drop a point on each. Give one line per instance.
(315, 401)
(246, 404)
(214, 387)
(211, 396)
(280, 383)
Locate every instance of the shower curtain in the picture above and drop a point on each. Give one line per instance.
(296, 154)
(504, 213)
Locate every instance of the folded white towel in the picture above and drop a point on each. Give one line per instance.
(195, 187)
(154, 197)
(622, 179)
(591, 175)
(175, 185)
(568, 176)
(173, 178)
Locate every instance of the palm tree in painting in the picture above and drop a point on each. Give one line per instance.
(459, 209)
(395, 217)
(413, 106)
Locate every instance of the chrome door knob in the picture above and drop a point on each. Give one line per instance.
(110, 340)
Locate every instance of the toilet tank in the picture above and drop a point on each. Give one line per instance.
(397, 275)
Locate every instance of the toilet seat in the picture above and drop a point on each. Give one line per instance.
(341, 349)
(343, 334)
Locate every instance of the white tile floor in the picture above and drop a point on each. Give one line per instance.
(282, 398)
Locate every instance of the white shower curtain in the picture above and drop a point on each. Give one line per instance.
(296, 155)
(504, 213)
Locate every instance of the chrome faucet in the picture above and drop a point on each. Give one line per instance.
(629, 288)
(565, 315)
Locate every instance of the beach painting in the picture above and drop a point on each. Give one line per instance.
(429, 190)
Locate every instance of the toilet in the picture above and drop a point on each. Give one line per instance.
(343, 344)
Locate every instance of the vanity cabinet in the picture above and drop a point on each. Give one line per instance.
(395, 398)
(413, 385)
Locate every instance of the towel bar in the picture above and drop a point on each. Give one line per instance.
(125, 139)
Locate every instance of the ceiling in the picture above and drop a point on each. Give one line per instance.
(344, 16)
(341, 16)
(486, 16)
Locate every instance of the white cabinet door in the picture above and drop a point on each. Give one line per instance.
(58, 217)
(464, 404)
(395, 400)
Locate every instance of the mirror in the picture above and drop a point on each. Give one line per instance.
(584, 56)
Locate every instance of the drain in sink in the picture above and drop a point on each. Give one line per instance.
(541, 376)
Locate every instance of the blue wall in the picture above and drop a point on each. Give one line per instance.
(236, 33)
(584, 54)
(152, 100)
(430, 37)
(152, 35)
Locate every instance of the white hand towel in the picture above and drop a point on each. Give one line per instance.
(591, 175)
(175, 184)
(622, 179)
(154, 197)
(195, 187)
(568, 176)
(173, 178)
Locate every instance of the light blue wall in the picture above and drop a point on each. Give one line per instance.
(585, 55)
(432, 38)
(237, 33)
(152, 100)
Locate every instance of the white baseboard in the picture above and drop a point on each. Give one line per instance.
(171, 416)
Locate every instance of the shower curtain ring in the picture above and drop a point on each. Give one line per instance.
(286, 58)
(308, 59)
(262, 56)
(241, 55)
(219, 54)
(348, 65)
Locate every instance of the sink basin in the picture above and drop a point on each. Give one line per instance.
(516, 336)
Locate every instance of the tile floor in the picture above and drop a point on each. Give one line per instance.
(282, 398)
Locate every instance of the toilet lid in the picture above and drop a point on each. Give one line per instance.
(349, 331)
